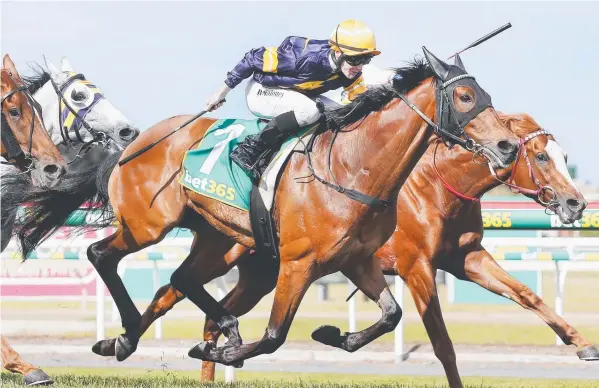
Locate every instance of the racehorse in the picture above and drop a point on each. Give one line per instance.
(25, 140)
(453, 224)
(36, 155)
(381, 138)
(453, 228)
(86, 128)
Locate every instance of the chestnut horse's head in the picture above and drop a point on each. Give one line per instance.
(24, 137)
(541, 169)
(465, 114)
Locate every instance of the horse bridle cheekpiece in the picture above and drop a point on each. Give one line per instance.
(541, 190)
(72, 119)
(450, 122)
(24, 160)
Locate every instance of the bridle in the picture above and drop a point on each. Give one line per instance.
(538, 193)
(23, 160)
(454, 135)
(541, 189)
(71, 119)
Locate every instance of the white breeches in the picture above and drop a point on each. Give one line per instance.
(268, 103)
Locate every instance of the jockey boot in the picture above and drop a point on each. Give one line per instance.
(254, 152)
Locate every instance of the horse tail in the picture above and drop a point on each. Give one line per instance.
(49, 210)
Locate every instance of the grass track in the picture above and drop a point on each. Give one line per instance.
(105, 377)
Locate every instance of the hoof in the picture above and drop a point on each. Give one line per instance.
(37, 377)
(105, 348)
(124, 347)
(328, 335)
(589, 353)
(201, 350)
(207, 351)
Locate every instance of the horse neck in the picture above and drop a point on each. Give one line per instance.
(48, 99)
(377, 154)
(459, 170)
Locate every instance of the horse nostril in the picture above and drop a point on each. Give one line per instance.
(128, 133)
(574, 204)
(50, 168)
(506, 147)
(54, 170)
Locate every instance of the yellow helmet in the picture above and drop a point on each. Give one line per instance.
(353, 37)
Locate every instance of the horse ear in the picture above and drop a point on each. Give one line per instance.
(440, 68)
(65, 65)
(8, 64)
(51, 68)
(458, 62)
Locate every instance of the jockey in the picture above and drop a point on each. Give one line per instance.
(287, 80)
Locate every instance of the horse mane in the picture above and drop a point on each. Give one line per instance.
(525, 123)
(376, 97)
(38, 79)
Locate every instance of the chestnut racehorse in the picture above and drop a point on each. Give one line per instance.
(41, 158)
(22, 122)
(453, 227)
(380, 140)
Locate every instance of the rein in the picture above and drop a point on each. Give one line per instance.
(460, 138)
(541, 190)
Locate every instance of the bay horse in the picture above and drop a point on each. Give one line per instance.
(40, 158)
(378, 144)
(452, 223)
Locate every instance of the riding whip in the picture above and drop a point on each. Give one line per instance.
(149, 146)
(484, 38)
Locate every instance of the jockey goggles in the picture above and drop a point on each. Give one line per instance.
(357, 60)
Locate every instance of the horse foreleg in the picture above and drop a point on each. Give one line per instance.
(257, 277)
(293, 281)
(368, 277)
(482, 269)
(205, 263)
(421, 283)
(12, 361)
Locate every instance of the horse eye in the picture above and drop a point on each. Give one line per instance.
(542, 157)
(465, 98)
(78, 96)
(14, 112)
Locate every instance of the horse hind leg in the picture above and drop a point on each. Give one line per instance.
(105, 256)
(164, 300)
(368, 277)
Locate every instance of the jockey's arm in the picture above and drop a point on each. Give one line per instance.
(263, 59)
